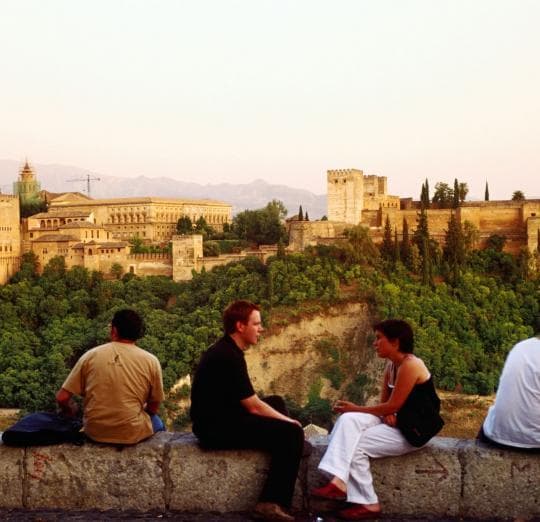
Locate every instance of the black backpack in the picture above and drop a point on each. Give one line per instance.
(43, 429)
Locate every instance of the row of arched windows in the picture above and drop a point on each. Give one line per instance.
(56, 222)
(127, 218)
(212, 219)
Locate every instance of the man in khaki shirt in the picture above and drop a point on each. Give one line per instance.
(121, 385)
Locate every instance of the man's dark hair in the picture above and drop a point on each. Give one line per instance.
(397, 329)
(237, 311)
(129, 324)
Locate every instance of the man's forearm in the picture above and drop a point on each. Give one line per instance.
(265, 410)
(65, 402)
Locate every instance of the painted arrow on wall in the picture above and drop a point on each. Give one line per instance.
(438, 470)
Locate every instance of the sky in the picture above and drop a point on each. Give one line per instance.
(215, 91)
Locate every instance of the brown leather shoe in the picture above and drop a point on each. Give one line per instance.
(271, 511)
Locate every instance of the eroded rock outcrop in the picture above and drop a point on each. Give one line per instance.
(331, 348)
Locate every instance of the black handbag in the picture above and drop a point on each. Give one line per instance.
(419, 419)
(43, 429)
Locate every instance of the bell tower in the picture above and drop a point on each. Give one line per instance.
(27, 187)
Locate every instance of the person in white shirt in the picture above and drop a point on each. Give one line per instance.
(514, 419)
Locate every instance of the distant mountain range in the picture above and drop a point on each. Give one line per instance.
(242, 196)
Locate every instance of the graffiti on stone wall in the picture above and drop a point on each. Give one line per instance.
(39, 464)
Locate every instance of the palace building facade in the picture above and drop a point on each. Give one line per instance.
(150, 218)
(10, 237)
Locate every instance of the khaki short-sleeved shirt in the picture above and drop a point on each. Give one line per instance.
(116, 381)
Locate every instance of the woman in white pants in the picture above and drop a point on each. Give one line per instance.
(370, 431)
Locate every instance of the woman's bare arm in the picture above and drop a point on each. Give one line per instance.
(411, 372)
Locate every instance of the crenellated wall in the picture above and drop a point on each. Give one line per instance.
(170, 472)
(187, 255)
(518, 221)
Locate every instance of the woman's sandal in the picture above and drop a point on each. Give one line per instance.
(329, 492)
(358, 512)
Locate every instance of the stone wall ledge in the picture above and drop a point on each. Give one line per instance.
(448, 478)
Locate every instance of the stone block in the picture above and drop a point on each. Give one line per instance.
(314, 477)
(98, 476)
(424, 482)
(497, 481)
(11, 476)
(222, 481)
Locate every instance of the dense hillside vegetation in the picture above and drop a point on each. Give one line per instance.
(465, 318)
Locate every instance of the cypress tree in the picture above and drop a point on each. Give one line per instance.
(423, 196)
(455, 201)
(405, 244)
(426, 263)
(396, 256)
(306, 217)
(454, 248)
(421, 238)
(486, 193)
(300, 214)
(387, 248)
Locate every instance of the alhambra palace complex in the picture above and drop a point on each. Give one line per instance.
(354, 198)
(94, 233)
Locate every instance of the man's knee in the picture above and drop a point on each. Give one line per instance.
(290, 435)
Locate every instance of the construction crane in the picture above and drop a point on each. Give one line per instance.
(88, 179)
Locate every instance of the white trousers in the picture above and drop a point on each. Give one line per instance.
(355, 438)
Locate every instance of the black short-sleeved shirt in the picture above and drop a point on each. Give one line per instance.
(221, 381)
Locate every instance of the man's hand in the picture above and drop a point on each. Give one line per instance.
(152, 407)
(390, 420)
(345, 406)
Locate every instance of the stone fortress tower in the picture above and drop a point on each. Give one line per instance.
(345, 189)
(187, 255)
(351, 194)
(352, 198)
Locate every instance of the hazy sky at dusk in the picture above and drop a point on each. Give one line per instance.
(233, 90)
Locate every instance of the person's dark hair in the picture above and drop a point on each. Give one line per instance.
(129, 324)
(397, 329)
(237, 311)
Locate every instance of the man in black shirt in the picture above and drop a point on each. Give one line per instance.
(227, 413)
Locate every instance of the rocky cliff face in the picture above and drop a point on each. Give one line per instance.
(324, 354)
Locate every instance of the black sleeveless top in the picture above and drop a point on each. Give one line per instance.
(422, 395)
(419, 419)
